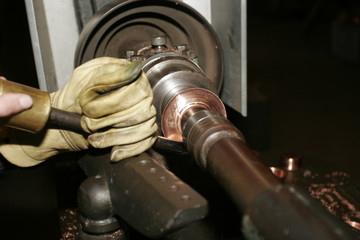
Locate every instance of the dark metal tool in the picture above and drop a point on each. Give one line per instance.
(141, 191)
(68, 120)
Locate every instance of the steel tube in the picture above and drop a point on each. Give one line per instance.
(219, 147)
(270, 209)
(237, 168)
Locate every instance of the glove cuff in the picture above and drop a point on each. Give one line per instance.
(26, 149)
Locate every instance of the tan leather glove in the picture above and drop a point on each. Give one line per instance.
(117, 111)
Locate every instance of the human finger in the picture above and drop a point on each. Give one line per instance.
(11, 103)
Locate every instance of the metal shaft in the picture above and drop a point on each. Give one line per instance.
(270, 209)
(274, 210)
(68, 120)
(240, 171)
(219, 146)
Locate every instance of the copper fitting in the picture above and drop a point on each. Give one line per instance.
(290, 162)
(183, 106)
(204, 129)
(278, 172)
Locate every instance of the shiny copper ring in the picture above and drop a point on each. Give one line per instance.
(183, 105)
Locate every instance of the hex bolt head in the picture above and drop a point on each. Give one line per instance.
(158, 41)
(190, 53)
(181, 47)
(130, 53)
(195, 60)
(136, 58)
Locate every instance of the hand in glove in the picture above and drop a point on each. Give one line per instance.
(115, 99)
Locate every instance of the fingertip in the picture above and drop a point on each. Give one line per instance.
(25, 101)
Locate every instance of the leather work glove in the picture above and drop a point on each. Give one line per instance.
(115, 99)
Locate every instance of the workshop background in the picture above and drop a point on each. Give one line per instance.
(303, 97)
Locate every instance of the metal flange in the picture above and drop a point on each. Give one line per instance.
(126, 26)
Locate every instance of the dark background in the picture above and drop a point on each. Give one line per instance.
(312, 94)
(303, 98)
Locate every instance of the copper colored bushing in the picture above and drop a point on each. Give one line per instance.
(183, 106)
(203, 130)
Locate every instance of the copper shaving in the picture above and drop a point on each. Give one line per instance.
(69, 224)
(327, 188)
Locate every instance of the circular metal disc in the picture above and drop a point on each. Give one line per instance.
(130, 25)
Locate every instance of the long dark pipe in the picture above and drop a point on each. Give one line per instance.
(271, 209)
(240, 171)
